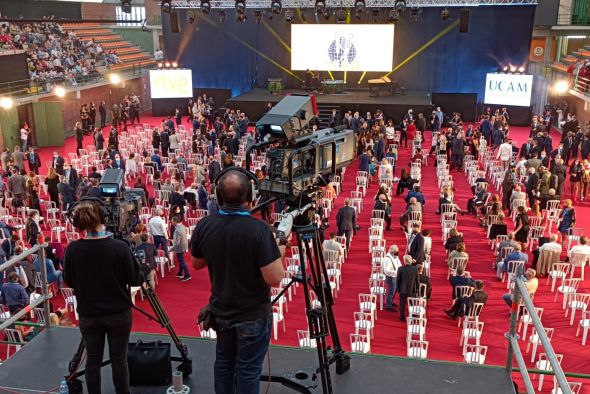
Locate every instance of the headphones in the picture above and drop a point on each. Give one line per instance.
(102, 209)
(250, 197)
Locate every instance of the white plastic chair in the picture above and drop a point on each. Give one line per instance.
(526, 320)
(577, 301)
(535, 341)
(364, 321)
(210, 333)
(305, 341)
(416, 307)
(472, 331)
(567, 288)
(557, 271)
(70, 300)
(417, 349)
(475, 354)
(377, 287)
(416, 327)
(360, 343)
(277, 317)
(472, 314)
(543, 364)
(584, 324)
(578, 260)
(13, 335)
(574, 387)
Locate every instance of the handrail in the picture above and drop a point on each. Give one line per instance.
(45, 296)
(520, 296)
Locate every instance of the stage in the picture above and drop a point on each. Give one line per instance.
(254, 102)
(40, 365)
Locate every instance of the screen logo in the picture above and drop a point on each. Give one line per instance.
(508, 89)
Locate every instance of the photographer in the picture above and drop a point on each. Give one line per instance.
(243, 260)
(100, 269)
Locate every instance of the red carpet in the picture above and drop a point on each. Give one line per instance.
(183, 300)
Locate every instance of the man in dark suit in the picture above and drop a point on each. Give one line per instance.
(461, 279)
(416, 244)
(66, 193)
(102, 110)
(34, 160)
(71, 176)
(560, 171)
(568, 147)
(525, 149)
(406, 284)
(214, 169)
(463, 305)
(486, 128)
(58, 163)
(333, 121)
(532, 185)
(346, 221)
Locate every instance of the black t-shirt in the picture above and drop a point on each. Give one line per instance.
(99, 271)
(235, 247)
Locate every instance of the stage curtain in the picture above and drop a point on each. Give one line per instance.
(49, 126)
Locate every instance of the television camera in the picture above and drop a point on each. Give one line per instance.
(299, 160)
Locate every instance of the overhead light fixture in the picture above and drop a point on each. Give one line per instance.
(160, 65)
(114, 78)
(320, 7)
(190, 16)
(560, 87)
(240, 7)
(512, 69)
(222, 15)
(205, 6)
(126, 6)
(414, 14)
(445, 14)
(341, 15)
(400, 5)
(521, 69)
(174, 64)
(276, 7)
(257, 16)
(289, 15)
(59, 91)
(167, 64)
(6, 102)
(393, 16)
(376, 15)
(505, 69)
(166, 6)
(359, 8)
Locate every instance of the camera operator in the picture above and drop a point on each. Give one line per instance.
(100, 269)
(243, 260)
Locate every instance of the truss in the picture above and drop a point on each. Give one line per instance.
(264, 4)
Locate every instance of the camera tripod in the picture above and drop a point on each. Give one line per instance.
(320, 317)
(186, 363)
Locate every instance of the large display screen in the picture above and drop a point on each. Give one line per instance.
(342, 47)
(509, 89)
(171, 83)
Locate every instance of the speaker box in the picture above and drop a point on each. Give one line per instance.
(174, 22)
(464, 21)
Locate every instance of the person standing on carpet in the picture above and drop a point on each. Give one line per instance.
(346, 221)
(406, 284)
(241, 277)
(391, 264)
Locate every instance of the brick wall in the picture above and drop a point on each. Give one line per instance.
(98, 11)
(108, 93)
(153, 12)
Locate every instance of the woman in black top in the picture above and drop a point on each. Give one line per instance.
(521, 225)
(575, 178)
(100, 269)
(51, 181)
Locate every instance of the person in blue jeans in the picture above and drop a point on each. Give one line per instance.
(391, 263)
(53, 275)
(243, 261)
(180, 247)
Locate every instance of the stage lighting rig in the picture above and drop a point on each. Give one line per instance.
(400, 6)
(126, 6)
(414, 14)
(205, 6)
(320, 7)
(174, 65)
(340, 15)
(166, 6)
(160, 65)
(222, 15)
(258, 15)
(167, 64)
(289, 15)
(445, 14)
(393, 16)
(359, 8)
(521, 69)
(276, 7)
(190, 16)
(240, 10)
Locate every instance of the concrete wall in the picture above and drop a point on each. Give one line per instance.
(142, 39)
(98, 11)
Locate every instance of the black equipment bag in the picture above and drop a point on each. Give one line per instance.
(149, 363)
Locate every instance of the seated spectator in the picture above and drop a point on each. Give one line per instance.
(515, 255)
(150, 253)
(458, 252)
(445, 199)
(454, 239)
(462, 278)
(427, 242)
(498, 228)
(332, 244)
(531, 284)
(405, 182)
(413, 206)
(582, 247)
(13, 295)
(508, 243)
(478, 200)
(417, 194)
(383, 203)
(53, 275)
(463, 305)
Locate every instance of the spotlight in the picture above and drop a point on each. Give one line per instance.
(59, 91)
(160, 65)
(320, 7)
(222, 16)
(340, 16)
(126, 6)
(190, 16)
(521, 69)
(166, 6)
(240, 7)
(258, 15)
(512, 69)
(289, 15)
(376, 15)
(560, 87)
(445, 14)
(414, 14)
(174, 65)
(114, 78)
(505, 69)
(205, 6)
(167, 64)
(276, 7)
(393, 16)
(400, 5)
(359, 8)
(6, 102)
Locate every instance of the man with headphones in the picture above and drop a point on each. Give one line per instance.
(244, 261)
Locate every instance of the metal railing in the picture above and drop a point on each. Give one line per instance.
(581, 85)
(520, 296)
(38, 249)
